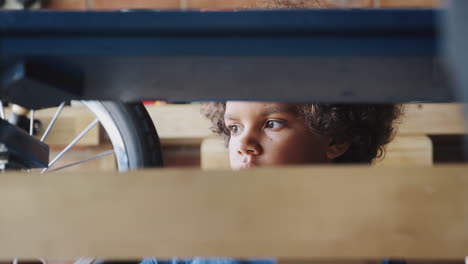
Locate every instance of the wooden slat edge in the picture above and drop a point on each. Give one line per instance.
(293, 213)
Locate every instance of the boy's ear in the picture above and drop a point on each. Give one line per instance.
(335, 150)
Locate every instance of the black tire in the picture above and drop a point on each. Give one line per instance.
(138, 133)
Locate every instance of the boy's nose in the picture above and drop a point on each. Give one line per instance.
(249, 144)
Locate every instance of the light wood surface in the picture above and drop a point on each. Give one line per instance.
(408, 150)
(77, 154)
(433, 119)
(402, 151)
(289, 213)
(214, 154)
(180, 124)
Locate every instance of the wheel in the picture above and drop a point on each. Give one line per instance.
(132, 133)
(130, 137)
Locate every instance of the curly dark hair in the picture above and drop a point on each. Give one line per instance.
(366, 127)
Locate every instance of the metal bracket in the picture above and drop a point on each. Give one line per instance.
(24, 151)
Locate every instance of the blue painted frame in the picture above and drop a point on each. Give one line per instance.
(250, 55)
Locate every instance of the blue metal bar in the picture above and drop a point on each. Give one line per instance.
(290, 22)
(342, 56)
(300, 32)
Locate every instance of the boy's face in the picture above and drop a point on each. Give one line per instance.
(267, 134)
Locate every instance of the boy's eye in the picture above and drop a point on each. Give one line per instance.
(234, 129)
(274, 124)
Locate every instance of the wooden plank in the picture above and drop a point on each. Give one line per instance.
(290, 213)
(214, 154)
(180, 124)
(408, 151)
(433, 119)
(107, 163)
(181, 156)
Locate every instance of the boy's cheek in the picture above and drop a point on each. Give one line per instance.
(234, 162)
(233, 158)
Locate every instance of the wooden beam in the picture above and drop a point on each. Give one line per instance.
(433, 119)
(288, 213)
(408, 150)
(78, 153)
(214, 154)
(180, 124)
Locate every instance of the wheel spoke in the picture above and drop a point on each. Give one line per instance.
(113, 131)
(52, 122)
(71, 144)
(100, 155)
(31, 122)
(2, 110)
(84, 261)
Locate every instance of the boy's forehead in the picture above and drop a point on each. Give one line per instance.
(260, 107)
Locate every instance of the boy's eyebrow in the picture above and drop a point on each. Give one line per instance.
(268, 111)
(230, 117)
(275, 109)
